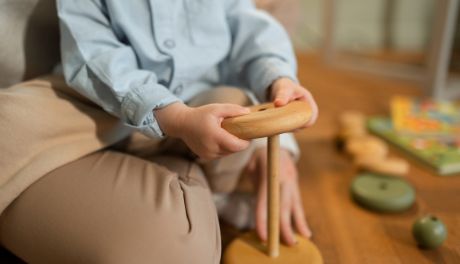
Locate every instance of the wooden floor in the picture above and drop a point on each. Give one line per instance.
(344, 232)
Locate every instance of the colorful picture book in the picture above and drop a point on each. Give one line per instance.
(427, 129)
(425, 117)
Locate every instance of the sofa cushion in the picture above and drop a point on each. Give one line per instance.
(29, 44)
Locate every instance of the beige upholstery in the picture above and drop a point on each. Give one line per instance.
(29, 45)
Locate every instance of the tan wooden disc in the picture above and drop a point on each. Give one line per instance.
(367, 145)
(389, 165)
(266, 120)
(248, 249)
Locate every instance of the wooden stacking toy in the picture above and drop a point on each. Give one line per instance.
(269, 121)
(369, 153)
(376, 189)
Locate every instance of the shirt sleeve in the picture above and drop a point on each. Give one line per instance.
(261, 49)
(104, 67)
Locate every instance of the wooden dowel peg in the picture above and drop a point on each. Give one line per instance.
(269, 121)
(273, 208)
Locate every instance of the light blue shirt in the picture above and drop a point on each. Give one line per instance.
(132, 57)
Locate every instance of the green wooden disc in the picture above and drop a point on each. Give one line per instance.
(382, 193)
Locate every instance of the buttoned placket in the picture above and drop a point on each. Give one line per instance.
(179, 89)
(162, 24)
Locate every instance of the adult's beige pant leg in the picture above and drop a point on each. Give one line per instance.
(44, 125)
(94, 209)
(110, 207)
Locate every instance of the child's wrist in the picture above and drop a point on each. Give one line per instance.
(171, 118)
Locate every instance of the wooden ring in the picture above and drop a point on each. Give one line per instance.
(382, 193)
(266, 120)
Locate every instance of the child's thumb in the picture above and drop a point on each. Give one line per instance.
(230, 110)
(282, 97)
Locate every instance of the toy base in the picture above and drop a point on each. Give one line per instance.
(248, 249)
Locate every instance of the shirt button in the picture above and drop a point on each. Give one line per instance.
(179, 89)
(169, 43)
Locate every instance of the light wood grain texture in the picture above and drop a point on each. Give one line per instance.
(273, 148)
(249, 246)
(265, 120)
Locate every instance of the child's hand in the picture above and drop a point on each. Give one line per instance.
(200, 128)
(291, 214)
(284, 90)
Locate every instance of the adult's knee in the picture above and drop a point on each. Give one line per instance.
(110, 207)
(183, 227)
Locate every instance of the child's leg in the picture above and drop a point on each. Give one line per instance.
(110, 207)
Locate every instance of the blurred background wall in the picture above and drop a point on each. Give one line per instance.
(363, 26)
(361, 23)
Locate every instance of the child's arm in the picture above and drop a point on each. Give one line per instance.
(262, 54)
(200, 128)
(261, 49)
(104, 68)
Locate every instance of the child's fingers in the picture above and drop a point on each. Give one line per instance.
(282, 97)
(306, 96)
(261, 205)
(299, 95)
(230, 110)
(252, 165)
(287, 232)
(300, 222)
(299, 215)
(230, 143)
(208, 154)
(314, 108)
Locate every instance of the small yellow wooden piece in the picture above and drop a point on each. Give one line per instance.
(367, 146)
(389, 165)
